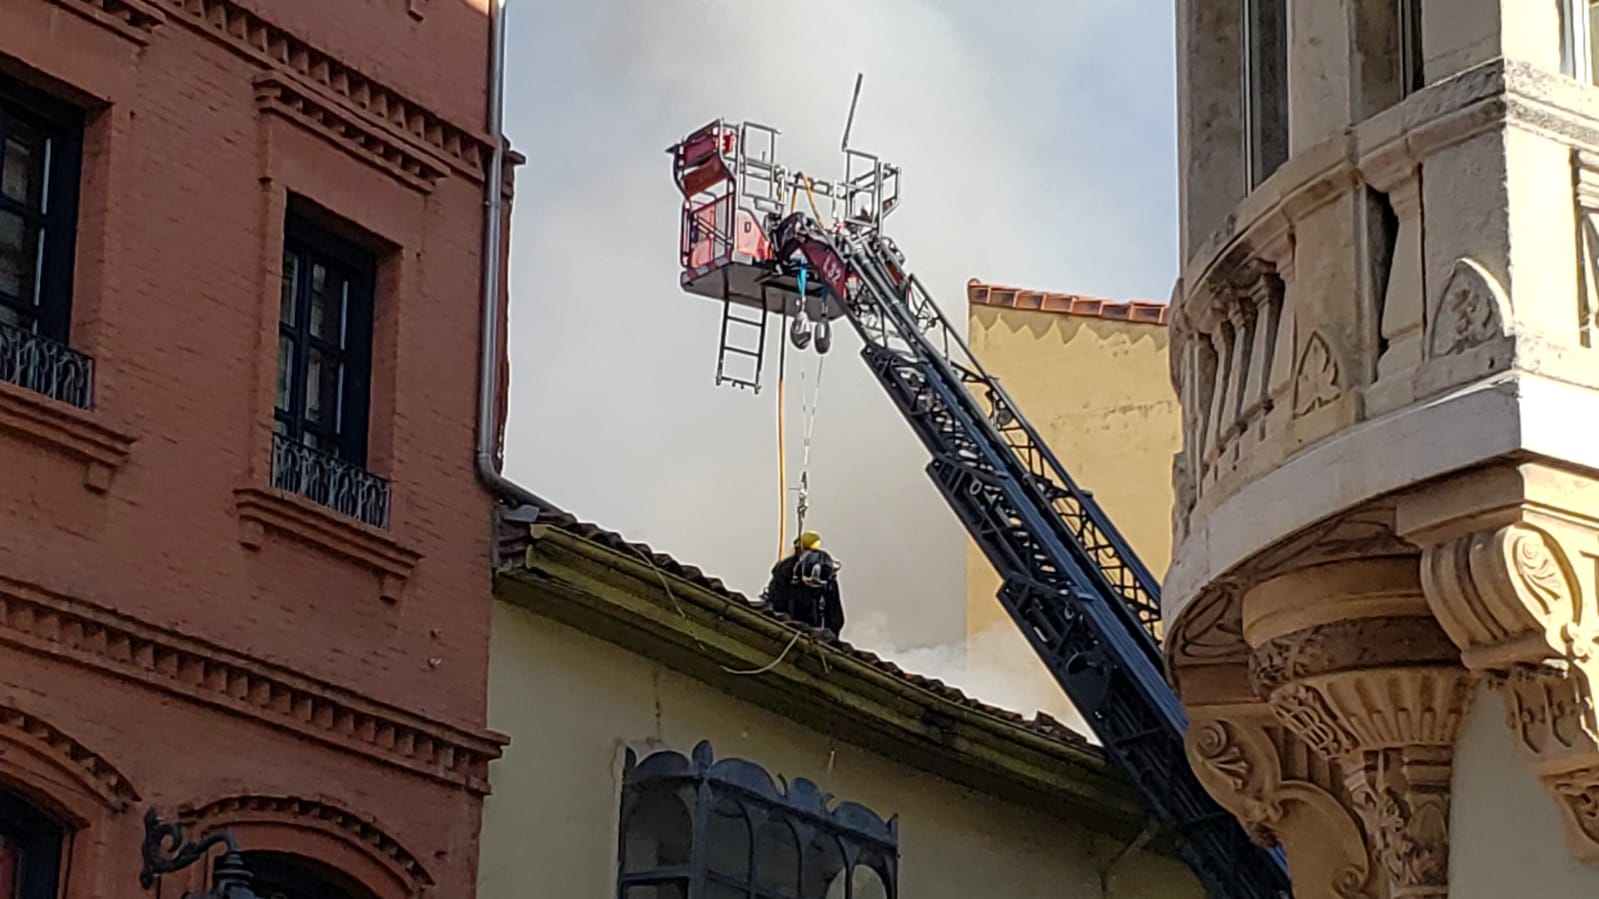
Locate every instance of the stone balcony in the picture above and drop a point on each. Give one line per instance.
(1387, 366)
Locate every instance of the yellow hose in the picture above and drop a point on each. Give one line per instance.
(811, 197)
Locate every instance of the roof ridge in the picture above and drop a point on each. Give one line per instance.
(1145, 312)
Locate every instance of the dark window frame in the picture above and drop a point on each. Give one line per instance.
(847, 834)
(299, 877)
(1412, 70)
(347, 437)
(1266, 36)
(62, 125)
(41, 850)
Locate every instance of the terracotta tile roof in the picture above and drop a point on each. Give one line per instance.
(515, 537)
(1140, 311)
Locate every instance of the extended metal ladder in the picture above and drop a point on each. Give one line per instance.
(1084, 601)
(741, 321)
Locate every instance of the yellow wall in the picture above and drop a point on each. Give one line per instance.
(1099, 391)
(571, 704)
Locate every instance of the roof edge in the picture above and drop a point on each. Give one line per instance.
(1138, 312)
(630, 601)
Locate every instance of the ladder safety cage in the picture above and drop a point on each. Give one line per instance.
(1082, 598)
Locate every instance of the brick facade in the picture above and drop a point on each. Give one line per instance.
(173, 630)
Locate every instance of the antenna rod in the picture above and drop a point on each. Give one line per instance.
(850, 122)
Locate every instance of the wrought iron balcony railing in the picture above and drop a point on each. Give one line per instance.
(341, 486)
(44, 366)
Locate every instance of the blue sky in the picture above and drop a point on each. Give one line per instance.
(1038, 146)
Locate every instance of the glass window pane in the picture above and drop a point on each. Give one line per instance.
(18, 256)
(657, 834)
(318, 368)
(10, 864)
(777, 858)
(867, 883)
(824, 867)
(291, 273)
(285, 371)
(22, 165)
(727, 841)
(320, 324)
(1593, 44)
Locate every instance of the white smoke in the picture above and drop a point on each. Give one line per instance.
(995, 666)
(1036, 140)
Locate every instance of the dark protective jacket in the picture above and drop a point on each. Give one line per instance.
(811, 606)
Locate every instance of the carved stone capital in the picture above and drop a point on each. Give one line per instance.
(1509, 567)
(1350, 660)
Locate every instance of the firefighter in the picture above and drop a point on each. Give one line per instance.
(804, 586)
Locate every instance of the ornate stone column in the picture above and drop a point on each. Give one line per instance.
(1350, 660)
(1509, 568)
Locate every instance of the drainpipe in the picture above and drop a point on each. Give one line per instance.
(513, 494)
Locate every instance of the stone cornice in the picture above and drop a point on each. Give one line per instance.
(392, 129)
(35, 620)
(622, 599)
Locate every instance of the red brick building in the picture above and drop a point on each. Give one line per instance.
(243, 549)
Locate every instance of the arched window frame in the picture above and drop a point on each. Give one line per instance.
(31, 867)
(702, 782)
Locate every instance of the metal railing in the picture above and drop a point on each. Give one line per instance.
(46, 367)
(329, 481)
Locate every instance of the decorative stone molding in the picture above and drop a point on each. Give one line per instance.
(135, 20)
(28, 743)
(63, 429)
(1324, 648)
(1316, 376)
(318, 815)
(1349, 659)
(37, 621)
(260, 510)
(1509, 570)
(1402, 796)
(1472, 310)
(1283, 795)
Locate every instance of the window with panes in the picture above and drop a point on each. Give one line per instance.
(697, 828)
(1265, 82)
(324, 341)
(41, 148)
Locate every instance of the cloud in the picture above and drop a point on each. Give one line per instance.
(1037, 149)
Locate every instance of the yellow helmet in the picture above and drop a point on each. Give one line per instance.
(809, 540)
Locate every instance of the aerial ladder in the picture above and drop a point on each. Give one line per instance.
(755, 239)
